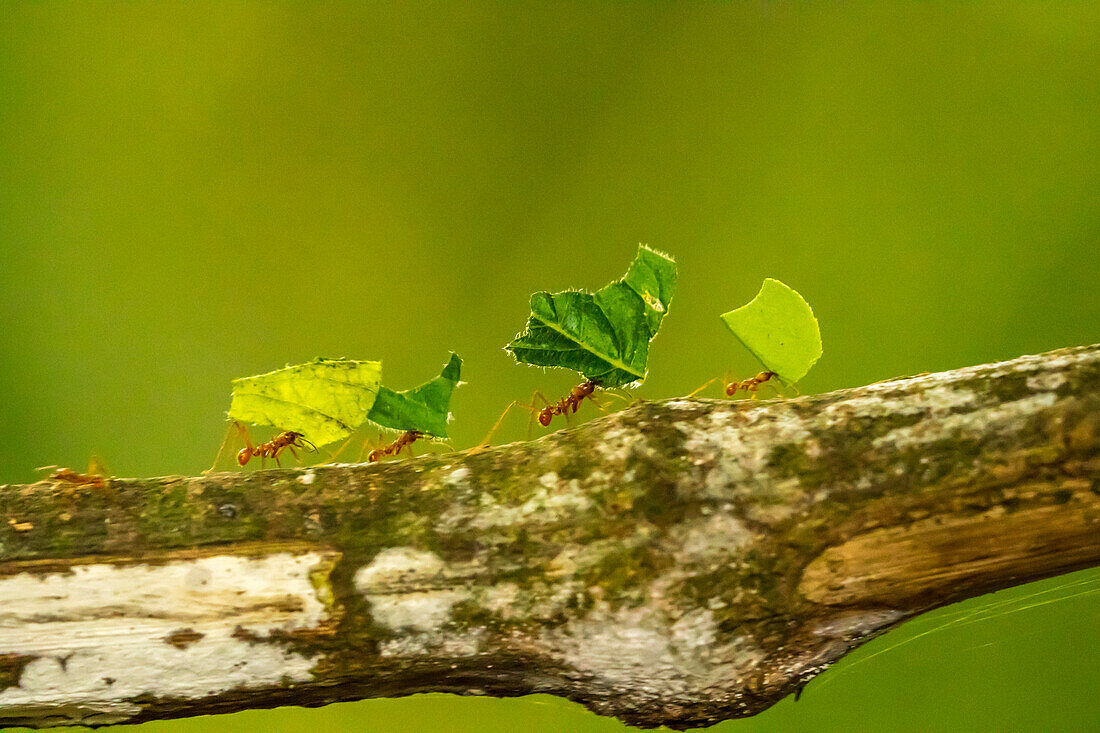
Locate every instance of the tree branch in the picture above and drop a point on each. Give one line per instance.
(677, 563)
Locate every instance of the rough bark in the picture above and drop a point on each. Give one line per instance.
(676, 563)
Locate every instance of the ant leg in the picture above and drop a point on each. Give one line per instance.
(598, 403)
(499, 422)
(775, 388)
(700, 389)
(332, 456)
(243, 432)
(622, 394)
(225, 443)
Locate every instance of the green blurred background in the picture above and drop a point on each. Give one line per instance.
(195, 192)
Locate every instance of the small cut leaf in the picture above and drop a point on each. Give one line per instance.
(325, 399)
(605, 336)
(779, 328)
(424, 408)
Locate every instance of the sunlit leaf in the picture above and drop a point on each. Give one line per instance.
(424, 408)
(605, 336)
(779, 328)
(325, 399)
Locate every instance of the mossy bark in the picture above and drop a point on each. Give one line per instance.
(677, 563)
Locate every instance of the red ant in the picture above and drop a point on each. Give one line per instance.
(272, 448)
(567, 406)
(752, 384)
(406, 439)
(79, 479)
(749, 385)
(96, 475)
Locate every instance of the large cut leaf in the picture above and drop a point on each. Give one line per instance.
(605, 336)
(779, 328)
(424, 408)
(325, 399)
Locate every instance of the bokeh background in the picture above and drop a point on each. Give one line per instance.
(195, 192)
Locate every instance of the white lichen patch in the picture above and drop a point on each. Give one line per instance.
(706, 540)
(552, 501)
(934, 402)
(402, 585)
(104, 633)
(1040, 363)
(1000, 417)
(641, 652)
(421, 611)
(1046, 381)
(307, 478)
(398, 566)
(501, 599)
(615, 444)
(460, 477)
(682, 405)
(457, 644)
(737, 447)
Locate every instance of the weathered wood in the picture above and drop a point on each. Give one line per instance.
(680, 562)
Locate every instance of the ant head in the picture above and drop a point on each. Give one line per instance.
(243, 456)
(374, 455)
(545, 417)
(731, 389)
(299, 439)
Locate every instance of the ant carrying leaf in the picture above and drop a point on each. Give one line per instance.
(421, 412)
(603, 335)
(325, 399)
(328, 400)
(780, 330)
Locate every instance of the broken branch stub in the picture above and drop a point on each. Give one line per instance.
(676, 563)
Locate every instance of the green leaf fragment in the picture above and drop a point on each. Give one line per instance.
(779, 328)
(424, 408)
(605, 336)
(325, 399)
